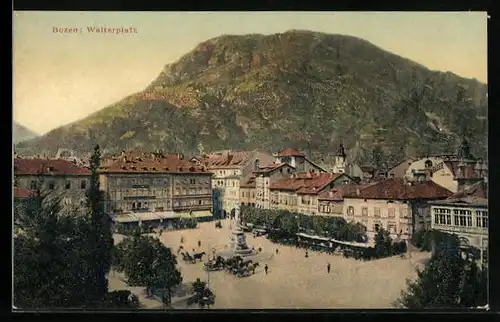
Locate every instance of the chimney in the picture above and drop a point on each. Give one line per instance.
(256, 165)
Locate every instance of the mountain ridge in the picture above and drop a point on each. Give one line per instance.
(299, 88)
(22, 133)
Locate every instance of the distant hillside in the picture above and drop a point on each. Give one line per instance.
(299, 89)
(22, 133)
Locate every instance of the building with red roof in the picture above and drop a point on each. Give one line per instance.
(229, 169)
(59, 178)
(299, 192)
(395, 204)
(152, 188)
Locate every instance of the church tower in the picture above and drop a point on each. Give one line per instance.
(340, 160)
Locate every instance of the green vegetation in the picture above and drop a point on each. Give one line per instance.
(303, 89)
(203, 296)
(61, 260)
(147, 262)
(283, 224)
(449, 280)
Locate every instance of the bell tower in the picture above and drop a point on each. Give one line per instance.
(340, 160)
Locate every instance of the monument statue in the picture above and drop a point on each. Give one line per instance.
(238, 239)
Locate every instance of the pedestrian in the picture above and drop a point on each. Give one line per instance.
(161, 231)
(328, 268)
(193, 250)
(307, 254)
(265, 269)
(199, 243)
(276, 251)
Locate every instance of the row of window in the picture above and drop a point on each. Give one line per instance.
(329, 208)
(391, 212)
(223, 172)
(230, 183)
(461, 220)
(248, 194)
(51, 185)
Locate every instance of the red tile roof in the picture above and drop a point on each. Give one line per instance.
(337, 193)
(476, 195)
(271, 167)
(55, 167)
(478, 190)
(248, 183)
(227, 160)
(22, 193)
(290, 152)
(306, 182)
(398, 189)
(143, 163)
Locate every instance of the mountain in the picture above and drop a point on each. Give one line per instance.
(22, 133)
(299, 89)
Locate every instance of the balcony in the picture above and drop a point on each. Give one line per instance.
(193, 207)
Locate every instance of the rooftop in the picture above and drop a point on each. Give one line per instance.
(477, 194)
(399, 189)
(144, 163)
(248, 182)
(47, 167)
(271, 167)
(306, 182)
(337, 193)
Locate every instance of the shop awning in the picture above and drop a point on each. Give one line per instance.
(194, 214)
(147, 216)
(124, 218)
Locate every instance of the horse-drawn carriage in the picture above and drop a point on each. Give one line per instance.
(234, 265)
(186, 257)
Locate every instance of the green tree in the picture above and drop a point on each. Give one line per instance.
(54, 259)
(447, 281)
(147, 262)
(49, 271)
(100, 239)
(203, 296)
(383, 243)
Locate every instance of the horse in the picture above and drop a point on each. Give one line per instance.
(253, 267)
(245, 263)
(198, 256)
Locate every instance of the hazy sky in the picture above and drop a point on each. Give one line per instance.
(59, 78)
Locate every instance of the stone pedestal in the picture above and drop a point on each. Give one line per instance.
(238, 243)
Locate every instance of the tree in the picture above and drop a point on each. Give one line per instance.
(447, 281)
(203, 296)
(55, 254)
(48, 269)
(147, 262)
(100, 239)
(383, 243)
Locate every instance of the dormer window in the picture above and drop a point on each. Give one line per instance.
(50, 168)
